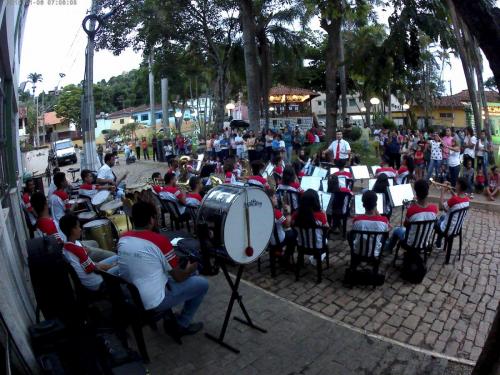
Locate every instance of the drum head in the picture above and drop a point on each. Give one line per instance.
(261, 215)
(100, 197)
(87, 215)
(74, 201)
(111, 206)
(96, 223)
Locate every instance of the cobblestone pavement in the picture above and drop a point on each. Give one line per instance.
(450, 312)
(297, 342)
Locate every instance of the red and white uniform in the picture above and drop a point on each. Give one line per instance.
(279, 220)
(294, 186)
(320, 220)
(229, 178)
(26, 203)
(279, 170)
(144, 259)
(88, 190)
(48, 227)
(193, 199)
(453, 204)
(388, 171)
(59, 204)
(368, 223)
(417, 213)
(402, 173)
(172, 193)
(258, 181)
(157, 189)
(79, 259)
(343, 173)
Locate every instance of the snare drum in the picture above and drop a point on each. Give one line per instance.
(223, 212)
(100, 231)
(101, 197)
(85, 217)
(80, 204)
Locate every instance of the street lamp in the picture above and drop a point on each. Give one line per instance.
(363, 109)
(230, 107)
(178, 115)
(406, 107)
(375, 101)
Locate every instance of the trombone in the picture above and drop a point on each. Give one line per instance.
(438, 184)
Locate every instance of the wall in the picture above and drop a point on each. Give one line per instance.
(459, 119)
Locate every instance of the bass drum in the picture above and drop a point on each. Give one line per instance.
(224, 213)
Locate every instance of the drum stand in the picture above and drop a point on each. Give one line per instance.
(235, 296)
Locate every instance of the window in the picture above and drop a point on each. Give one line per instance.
(122, 121)
(446, 115)
(145, 117)
(352, 102)
(319, 103)
(159, 116)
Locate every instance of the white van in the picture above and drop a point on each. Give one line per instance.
(64, 151)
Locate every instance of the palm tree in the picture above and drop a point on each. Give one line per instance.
(34, 78)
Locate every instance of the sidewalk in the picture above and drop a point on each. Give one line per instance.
(298, 342)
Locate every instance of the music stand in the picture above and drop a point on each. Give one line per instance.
(358, 204)
(307, 168)
(360, 172)
(269, 171)
(374, 169)
(200, 160)
(320, 172)
(309, 182)
(372, 181)
(324, 199)
(334, 170)
(400, 193)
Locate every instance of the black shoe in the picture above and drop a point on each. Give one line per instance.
(191, 329)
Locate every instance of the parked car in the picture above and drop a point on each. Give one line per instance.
(63, 151)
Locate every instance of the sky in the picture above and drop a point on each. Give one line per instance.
(54, 42)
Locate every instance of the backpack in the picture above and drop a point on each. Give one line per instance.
(414, 269)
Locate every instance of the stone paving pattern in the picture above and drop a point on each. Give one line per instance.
(297, 342)
(450, 312)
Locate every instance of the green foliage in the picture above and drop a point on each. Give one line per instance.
(69, 105)
(389, 124)
(490, 84)
(353, 134)
(367, 156)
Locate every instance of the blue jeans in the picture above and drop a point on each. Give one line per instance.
(190, 292)
(289, 150)
(397, 235)
(433, 165)
(111, 260)
(453, 174)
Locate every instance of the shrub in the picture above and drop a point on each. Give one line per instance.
(389, 124)
(353, 134)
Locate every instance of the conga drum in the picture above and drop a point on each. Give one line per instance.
(101, 197)
(85, 217)
(100, 231)
(239, 221)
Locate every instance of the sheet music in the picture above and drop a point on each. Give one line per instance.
(269, 171)
(324, 199)
(200, 160)
(319, 172)
(309, 182)
(374, 168)
(358, 204)
(360, 172)
(372, 181)
(334, 170)
(307, 167)
(400, 193)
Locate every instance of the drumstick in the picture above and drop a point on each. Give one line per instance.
(249, 249)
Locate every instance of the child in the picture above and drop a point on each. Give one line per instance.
(59, 199)
(419, 163)
(156, 178)
(229, 177)
(468, 174)
(78, 257)
(492, 190)
(442, 176)
(342, 171)
(278, 165)
(194, 198)
(88, 188)
(285, 236)
(44, 224)
(480, 181)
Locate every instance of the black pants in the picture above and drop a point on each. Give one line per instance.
(155, 153)
(146, 153)
(394, 160)
(138, 153)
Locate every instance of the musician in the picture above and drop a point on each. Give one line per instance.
(88, 188)
(310, 215)
(29, 189)
(229, 176)
(282, 221)
(371, 221)
(340, 149)
(384, 169)
(381, 186)
(60, 199)
(403, 171)
(279, 165)
(106, 176)
(342, 171)
(421, 210)
(147, 260)
(290, 181)
(256, 178)
(171, 192)
(334, 186)
(458, 201)
(194, 198)
(79, 258)
(45, 224)
(173, 167)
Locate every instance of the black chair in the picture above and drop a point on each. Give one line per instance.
(176, 218)
(339, 210)
(453, 229)
(307, 244)
(128, 310)
(418, 238)
(292, 198)
(273, 250)
(84, 296)
(364, 250)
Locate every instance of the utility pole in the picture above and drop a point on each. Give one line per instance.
(88, 126)
(37, 143)
(152, 120)
(164, 107)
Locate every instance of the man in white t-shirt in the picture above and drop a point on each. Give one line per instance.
(340, 149)
(106, 176)
(469, 145)
(240, 143)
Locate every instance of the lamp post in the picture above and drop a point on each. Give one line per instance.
(230, 107)
(406, 107)
(178, 115)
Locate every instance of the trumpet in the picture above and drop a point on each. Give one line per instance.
(441, 185)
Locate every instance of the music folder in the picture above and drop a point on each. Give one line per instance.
(400, 193)
(319, 172)
(310, 182)
(360, 172)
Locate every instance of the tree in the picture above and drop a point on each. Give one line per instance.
(34, 78)
(68, 106)
(490, 84)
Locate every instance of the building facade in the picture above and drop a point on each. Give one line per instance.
(17, 311)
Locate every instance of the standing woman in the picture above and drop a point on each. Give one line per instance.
(469, 145)
(251, 140)
(269, 144)
(453, 161)
(394, 151)
(436, 155)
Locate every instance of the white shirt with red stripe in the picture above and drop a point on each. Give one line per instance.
(258, 181)
(144, 259)
(279, 220)
(193, 199)
(320, 220)
(388, 171)
(172, 193)
(229, 178)
(88, 190)
(59, 204)
(417, 213)
(346, 174)
(48, 227)
(453, 204)
(26, 202)
(402, 173)
(368, 223)
(278, 170)
(79, 259)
